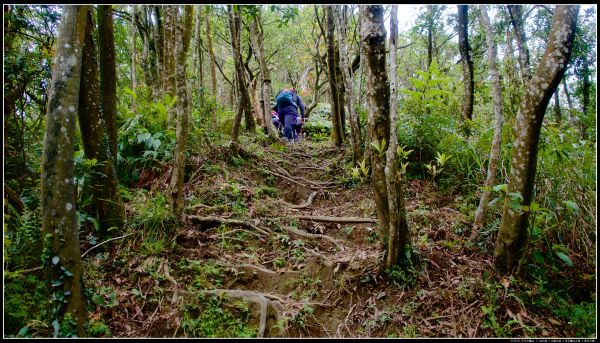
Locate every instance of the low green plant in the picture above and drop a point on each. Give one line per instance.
(214, 316)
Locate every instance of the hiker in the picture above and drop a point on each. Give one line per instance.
(287, 105)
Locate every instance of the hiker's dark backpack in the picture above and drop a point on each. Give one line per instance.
(284, 99)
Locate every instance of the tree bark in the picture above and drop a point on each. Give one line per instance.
(492, 169)
(342, 28)
(373, 34)
(569, 102)
(467, 60)
(336, 130)
(105, 194)
(213, 70)
(58, 192)
(169, 55)
(182, 37)
(516, 16)
(108, 75)
(235, 30)
(557, 111)
(133, 57)
(160, 50)
(512, 235)
(257, 41)
(398, 226)
(429, 35)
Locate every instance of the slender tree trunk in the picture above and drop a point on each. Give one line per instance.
(257, 41)
(585, 90)
(509, 58)
(105, 194)
(467, 60)
(429, 35)
(490, 180)
(169, 53)
(512, 235)
(341, 88)
(160, 51)
(516, 16)
(342, 28)
(182, 37)
(133, 57)
(557, 111)
(373, 34)
(235, 30)
(108, 75)
(213, 70)
(58, 192)
(336, 131)
(569, 102)
(398, 226)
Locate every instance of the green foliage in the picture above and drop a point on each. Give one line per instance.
(97, 328)
(318, 126)
(105, 297)
(215, 316)
(152, 214)
(25, 301)
(22, 237)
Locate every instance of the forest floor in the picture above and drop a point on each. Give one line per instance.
(246, 263)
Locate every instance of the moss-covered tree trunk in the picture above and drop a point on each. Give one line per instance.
(108, 75)
(342, 32)
(58, 192)
(492, 169)
(103, 183)
(182, 42)
(512, 235)
(373, 36)
(398, 226)
(159, 38)
(336, 129)
(467, 61)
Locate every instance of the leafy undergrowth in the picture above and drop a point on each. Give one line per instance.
(158, 281)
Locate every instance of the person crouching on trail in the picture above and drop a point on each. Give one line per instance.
(287, 106)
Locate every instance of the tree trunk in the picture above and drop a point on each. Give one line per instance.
(105, 194)
(182, 41)
(516, 18)
(169, 53)
(398, 226)
(133, 57)
(490, 180)
(569, 102)
(341, 29)
(257, 41)
(341, 87)
(378, 102)
(336, 130)
(429, 35)
(58, 192)
(213, 70)
(512, 234)
(235, 30)
(108, 75)
(160, 51)
(467, 60)
(557, 111)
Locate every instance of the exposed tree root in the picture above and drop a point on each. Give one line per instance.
(266, 302)
(314, 235)
(245, 265)
(214, 221)
(303, 205)
(337, 219)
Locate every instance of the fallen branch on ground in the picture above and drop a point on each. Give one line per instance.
(214, 221)
(109, 240)
(245, 265)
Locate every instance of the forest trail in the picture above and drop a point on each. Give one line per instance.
(303, 277)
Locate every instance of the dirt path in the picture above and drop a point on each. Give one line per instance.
(301, 277)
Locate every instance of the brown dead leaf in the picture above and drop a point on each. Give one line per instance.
(505, 282)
